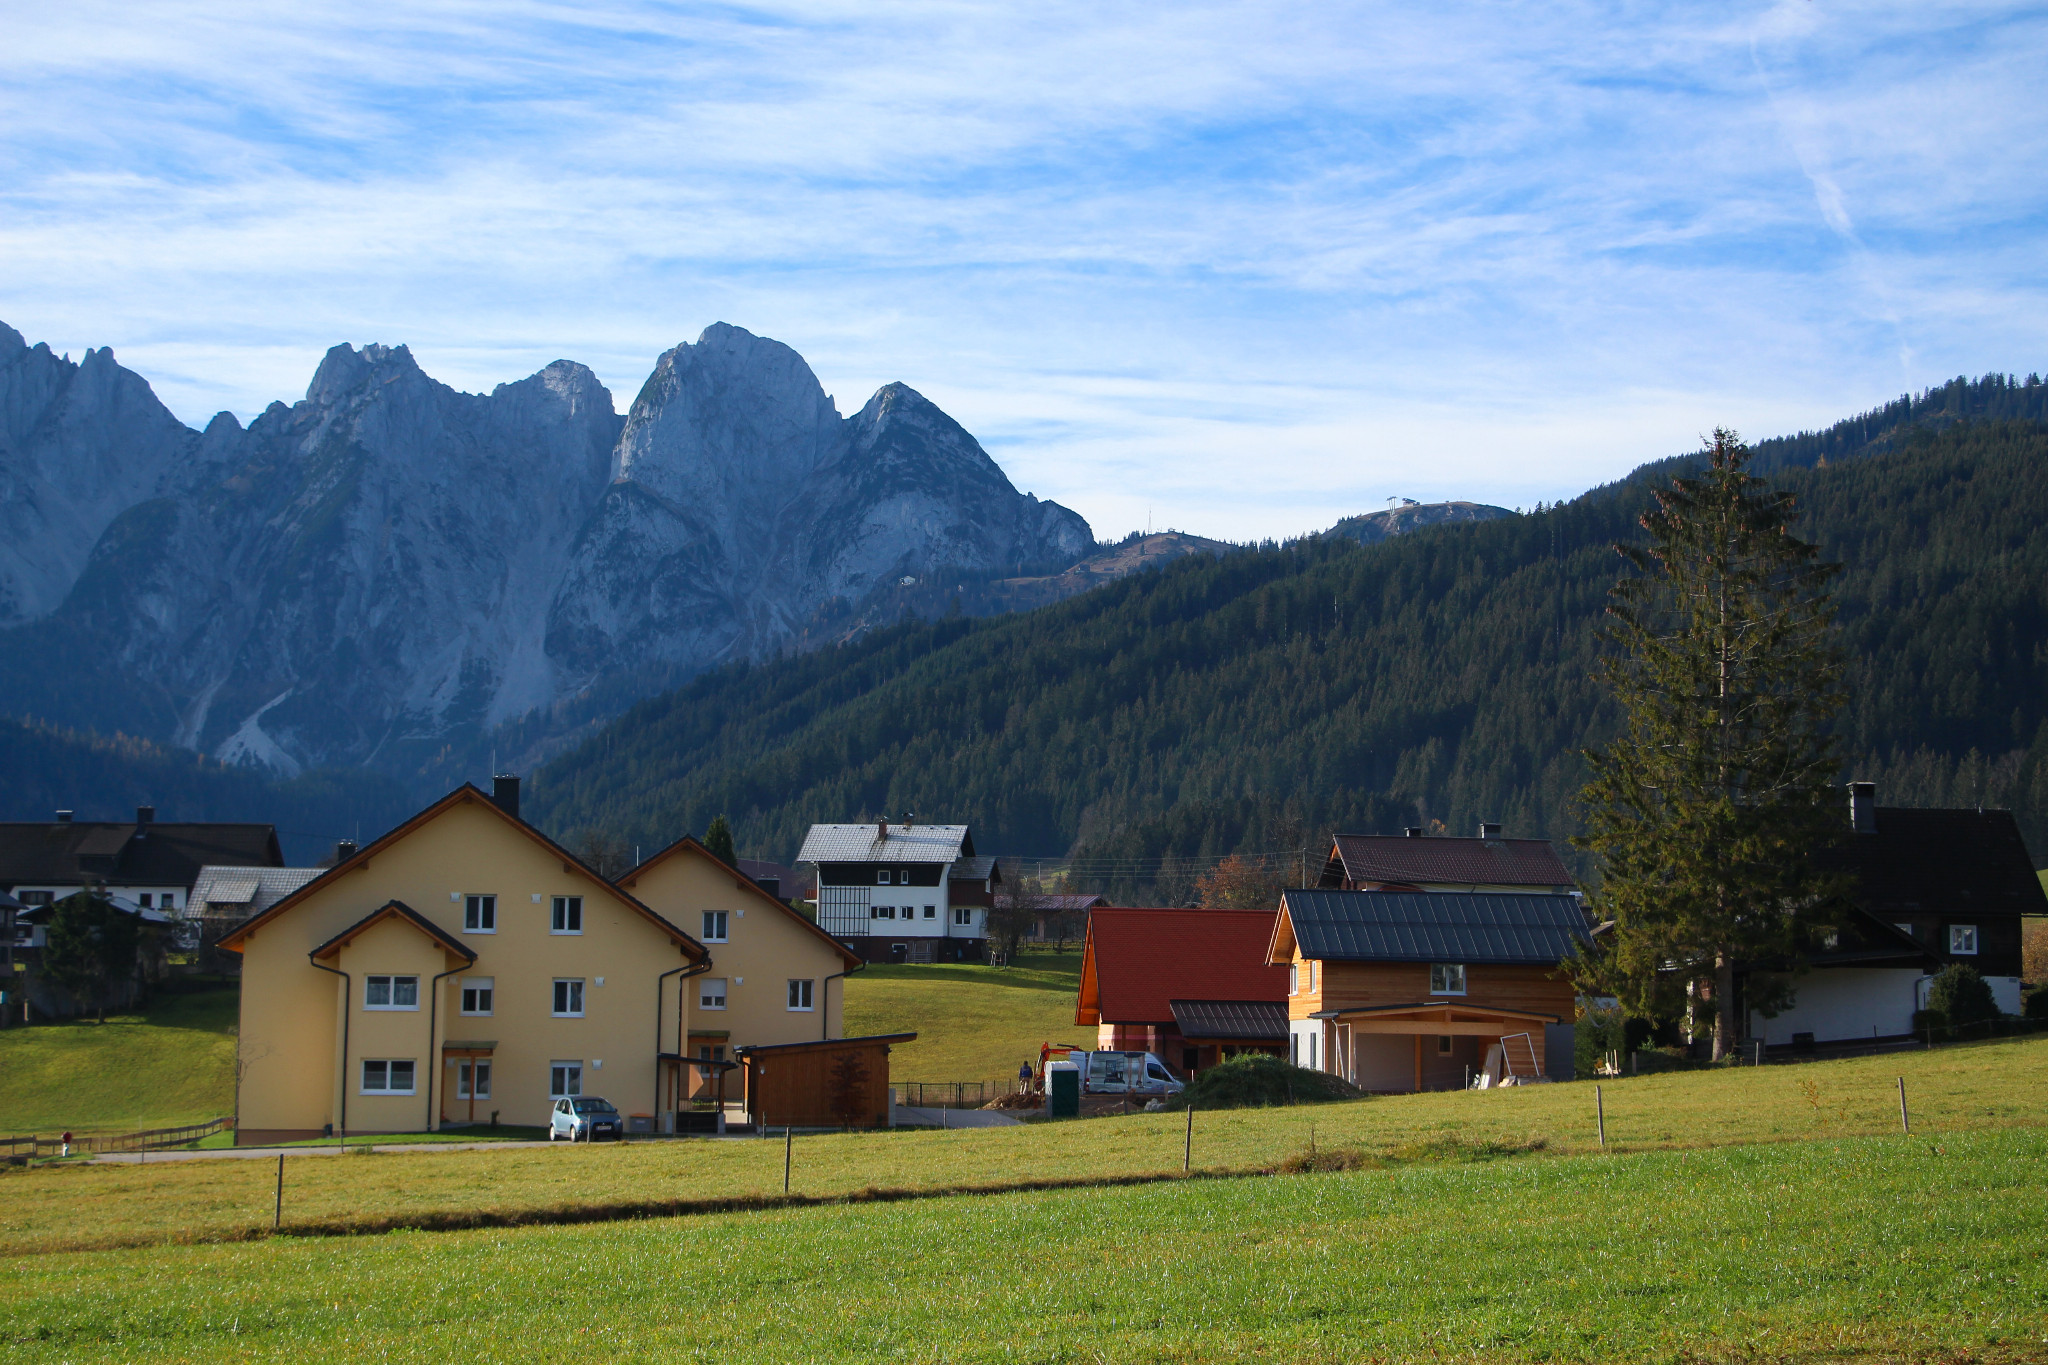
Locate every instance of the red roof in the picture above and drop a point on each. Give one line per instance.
(1139, 961)
(1468, 862)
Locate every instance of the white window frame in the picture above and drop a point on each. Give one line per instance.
(565, 915)
(565, 1080)
(1294, 978)
(716, 924)
(704, 996)
(474, 986)
(1962, 940)
(963, 916)
(1453, 978)
(479, 912)
(391, 981)
(931, 912)
(801, 990)
(469, 1069)
(387, 1063)
(882, 878)
(572, 996)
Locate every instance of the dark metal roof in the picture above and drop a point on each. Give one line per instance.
(1231, 1020)
(125, 852)
(1396, 926)
(1947, 862)
(1462, 862)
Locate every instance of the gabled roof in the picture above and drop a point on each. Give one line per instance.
(688, 846)
(1231, 1021)
(136, 853)
(819, 1044)
(245, 890)
(1950, 862)
(1400, 926)
(1459, 862)
(1138, 961)
(404, 914)
(900, 844)
(466, 794)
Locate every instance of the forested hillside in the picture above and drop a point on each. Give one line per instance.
(1256, 701)
(103, 778)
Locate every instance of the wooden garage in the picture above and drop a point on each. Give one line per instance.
(829, 1083)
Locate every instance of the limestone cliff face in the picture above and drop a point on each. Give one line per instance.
(79, 445)
(390, 566)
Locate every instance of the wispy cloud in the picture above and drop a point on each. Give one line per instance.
(1245, 266)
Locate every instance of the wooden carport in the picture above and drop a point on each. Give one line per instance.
(1439, 1019)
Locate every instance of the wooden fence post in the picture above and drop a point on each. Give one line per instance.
(788, 1152)
(1905, 1121)
(1600, 1113)
(277, 1213)
(1187, 1151)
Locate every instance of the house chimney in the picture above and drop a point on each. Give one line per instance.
(1863, 807)
(1487, 831)
(344, 849)
(882, 830)
(1413, 831)
(63, 817)
(145, 815)
(505, 794)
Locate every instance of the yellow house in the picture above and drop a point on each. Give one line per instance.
(463, 965)
(777, 977)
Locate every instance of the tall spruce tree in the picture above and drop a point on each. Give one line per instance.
(1705, 813)
(718, 841)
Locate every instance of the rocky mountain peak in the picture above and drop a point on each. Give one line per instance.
(344, 369)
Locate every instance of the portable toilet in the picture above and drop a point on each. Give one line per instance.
(1062, 1090)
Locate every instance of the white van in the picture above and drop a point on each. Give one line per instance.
(1126, 1073)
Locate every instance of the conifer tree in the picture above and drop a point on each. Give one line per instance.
(1706, 811)
(718, 841)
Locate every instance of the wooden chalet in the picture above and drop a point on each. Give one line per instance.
(1412, 991)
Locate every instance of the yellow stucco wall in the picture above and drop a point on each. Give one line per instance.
(290, 1080)
(766, 948)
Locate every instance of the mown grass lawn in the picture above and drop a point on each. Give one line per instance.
(1954, 1089)
(975, 1023)
(1878, 1248)
(169, 1064)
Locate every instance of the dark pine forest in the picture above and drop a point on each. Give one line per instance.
(1255, 702)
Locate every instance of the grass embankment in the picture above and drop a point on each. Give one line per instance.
(974, 1023)
(172, 1063)
(1864, 1248)
(1976, 1086)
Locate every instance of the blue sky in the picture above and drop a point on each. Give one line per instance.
(1239, 269)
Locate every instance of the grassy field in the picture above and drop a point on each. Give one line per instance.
(1956, 1089)
(1871, 1249)
(171, 1064)
(975, 1023)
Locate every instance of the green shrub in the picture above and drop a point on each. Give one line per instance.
(1961, 995)
(1599, 1033)
(2036, 1004)
(1257, 1081)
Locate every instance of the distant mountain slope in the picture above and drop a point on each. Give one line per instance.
(1374, 527)
(387, 570)
(101, 778)
(1256, 700)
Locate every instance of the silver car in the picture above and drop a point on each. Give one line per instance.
(585, 1119)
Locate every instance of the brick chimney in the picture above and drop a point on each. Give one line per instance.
(1863, 807)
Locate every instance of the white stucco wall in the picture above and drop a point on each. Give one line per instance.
(1842, 1004)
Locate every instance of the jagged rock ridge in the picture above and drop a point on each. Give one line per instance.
(390, 565)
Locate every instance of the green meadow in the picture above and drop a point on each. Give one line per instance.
(78, 1206)
(1867, 1249)
(171, 1063)
(974, 1023)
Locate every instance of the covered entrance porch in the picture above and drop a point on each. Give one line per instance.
(1433, 1045)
